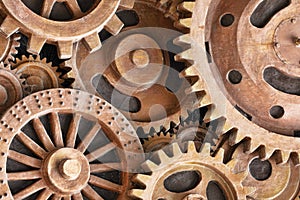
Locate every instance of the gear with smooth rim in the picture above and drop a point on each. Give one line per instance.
(209, 169)
(83, 25)
(48, 148)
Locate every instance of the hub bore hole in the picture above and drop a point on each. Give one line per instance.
(182, 181)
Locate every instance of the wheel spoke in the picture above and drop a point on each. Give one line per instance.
(72, 132)
(42, 134)
(67, 197)
(29, 175)
(106, 167)
(45, 195)
(77, 196)
(90, 193)
(84, 144)
(105, 184)
(47, 8)
(74, 7)
(30, 144)
(56, 197)
(30, 190)
(100, 152)
(56, 130)
(24, 159)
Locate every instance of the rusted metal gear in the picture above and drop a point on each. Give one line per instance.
(8, 48)
(47, 23)
(11, 87)
(38, 74)
(263, 174)
(184, 175)
(138, 72)
(60, 143)
(234, 118)
(157, 141)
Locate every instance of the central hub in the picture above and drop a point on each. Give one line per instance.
(36, 82)
(140, 58)
(66, 170)
(287, 41)
(3, 95)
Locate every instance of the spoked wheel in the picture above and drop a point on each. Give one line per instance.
(66, 144)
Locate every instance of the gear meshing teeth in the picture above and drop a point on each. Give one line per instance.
(37, 73)
(191, 159)
(220, 109)
(63, 34)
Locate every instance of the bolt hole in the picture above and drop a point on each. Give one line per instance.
(227, 20)
(235, 77)
(182, 181)
(277, 112)
(260, 170)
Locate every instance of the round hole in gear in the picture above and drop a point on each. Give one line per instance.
(260, 170)
(227, 20)
(277, 112)
(235, 77)
(182, 181)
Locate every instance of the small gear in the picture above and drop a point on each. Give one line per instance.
(157, 141)
(38, 74)
(136, 74)
(8, 48)
(263, 174)
(64, 143)
(11, 87)
(167, 180)
(50, 24)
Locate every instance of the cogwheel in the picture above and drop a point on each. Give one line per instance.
(263, 174)
(38, 74)
(11, 87)
(50, 25)
(157, 141)
(135, 78)
(194, 171)
(66, 144)
(8, 48)
(224, 108)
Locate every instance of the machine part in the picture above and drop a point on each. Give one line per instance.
(43, 22)
(263, 174)
(133, 78)
(11, 87)
(38, 74)
(60, 143)
(158, 141)
(232, 118)
(8, 48)
(188, 174)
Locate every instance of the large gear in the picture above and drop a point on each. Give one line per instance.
(232, 118)
(209, 169)
(83, 24)
(139, 76)
(38, 74)
(11, 87)
(263, 174)
(48, 148)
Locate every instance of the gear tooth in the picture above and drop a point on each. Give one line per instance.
(137, 193)
(142, 179)
(184, 23)
(183, 39)
(65, 49)
(186, 6)
(249, 191)
(36, 44)
(185, 56)
(149, 166)
(93, 42)
(8, 26)
(127, 4)
(162, 156)
(285, 156)
(220, 155)
(269, 152)
(176, 149)
(114, 25)
(205, 149)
